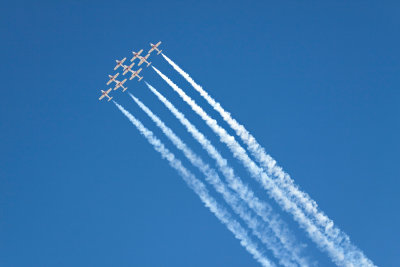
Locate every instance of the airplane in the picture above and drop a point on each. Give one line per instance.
(112, 78)
(144, 59)
(127, 68)
(154, 47)
(136, 55)
(119, 84)
(135, 73)
(119, 63)
(105, 93)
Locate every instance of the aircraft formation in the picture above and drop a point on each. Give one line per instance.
(126, 69)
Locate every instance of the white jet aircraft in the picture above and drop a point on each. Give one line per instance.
(136, 55)
(154, 47)
(119, 84)
(127, 68)
(144, 59)
(119, 63)
(136, 74)
(112, 78)
(105, 93)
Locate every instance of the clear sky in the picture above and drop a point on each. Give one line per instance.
(316, 83)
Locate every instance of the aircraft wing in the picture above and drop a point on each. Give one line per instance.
(133, 64)
(141, 61)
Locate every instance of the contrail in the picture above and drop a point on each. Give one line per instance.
(334, 251)
(212, 177)
(283, 179)
(199, 188)
(278, 227)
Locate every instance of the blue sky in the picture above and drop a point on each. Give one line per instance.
(316, 83)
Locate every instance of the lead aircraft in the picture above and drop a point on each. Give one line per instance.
(136, 55)
(119, 84)
(136, 74)
(144, 59)
(127, 68)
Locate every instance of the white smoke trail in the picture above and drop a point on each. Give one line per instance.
(334, 251)
(199, 188)
(283, 179)
(278, 227)
(212, 177)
